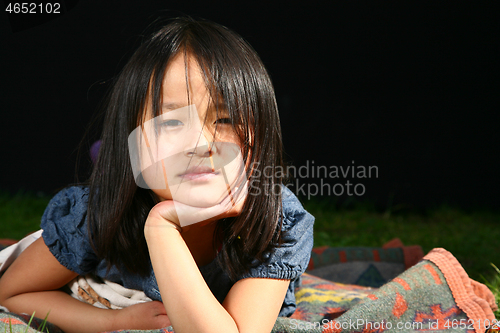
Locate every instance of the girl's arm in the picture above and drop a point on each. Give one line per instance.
(31, 284)
(252, 304)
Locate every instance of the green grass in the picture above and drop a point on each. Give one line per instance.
(42, 327)
(20, 214)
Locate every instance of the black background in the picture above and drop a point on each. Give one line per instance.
(410, 87)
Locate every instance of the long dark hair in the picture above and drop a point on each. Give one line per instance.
(118, 208)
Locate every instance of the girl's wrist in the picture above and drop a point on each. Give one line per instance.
(155, 227)
(170, 224)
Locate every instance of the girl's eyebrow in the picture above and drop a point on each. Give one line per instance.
(172, 106)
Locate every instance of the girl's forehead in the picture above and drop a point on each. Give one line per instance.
(183, 84)
(183, 78)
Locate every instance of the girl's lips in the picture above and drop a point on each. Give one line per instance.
(199, 173)
(198, 176)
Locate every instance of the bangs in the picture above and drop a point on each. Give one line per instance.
(232, 94)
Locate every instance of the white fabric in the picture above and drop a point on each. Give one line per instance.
(104, 294)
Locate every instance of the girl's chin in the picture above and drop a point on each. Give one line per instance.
(198, 202)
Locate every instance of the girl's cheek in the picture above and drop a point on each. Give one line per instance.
(155, 179)
(163, 194)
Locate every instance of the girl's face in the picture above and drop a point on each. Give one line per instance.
(183, 157)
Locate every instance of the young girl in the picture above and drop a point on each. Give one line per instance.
(216, 251)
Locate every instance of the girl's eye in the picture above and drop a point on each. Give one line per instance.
(223, 121)
(172, 123)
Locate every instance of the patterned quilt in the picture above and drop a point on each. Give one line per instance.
(433, 295)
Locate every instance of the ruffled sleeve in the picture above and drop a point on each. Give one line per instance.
(291, 259)
(64, 225)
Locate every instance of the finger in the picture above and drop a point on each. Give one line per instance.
(166, 210)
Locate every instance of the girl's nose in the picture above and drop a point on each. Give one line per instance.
(206, 150)
(205, 146)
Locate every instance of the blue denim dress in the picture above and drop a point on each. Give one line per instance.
(64, 225)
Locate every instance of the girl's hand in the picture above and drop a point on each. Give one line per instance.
(148, 315)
